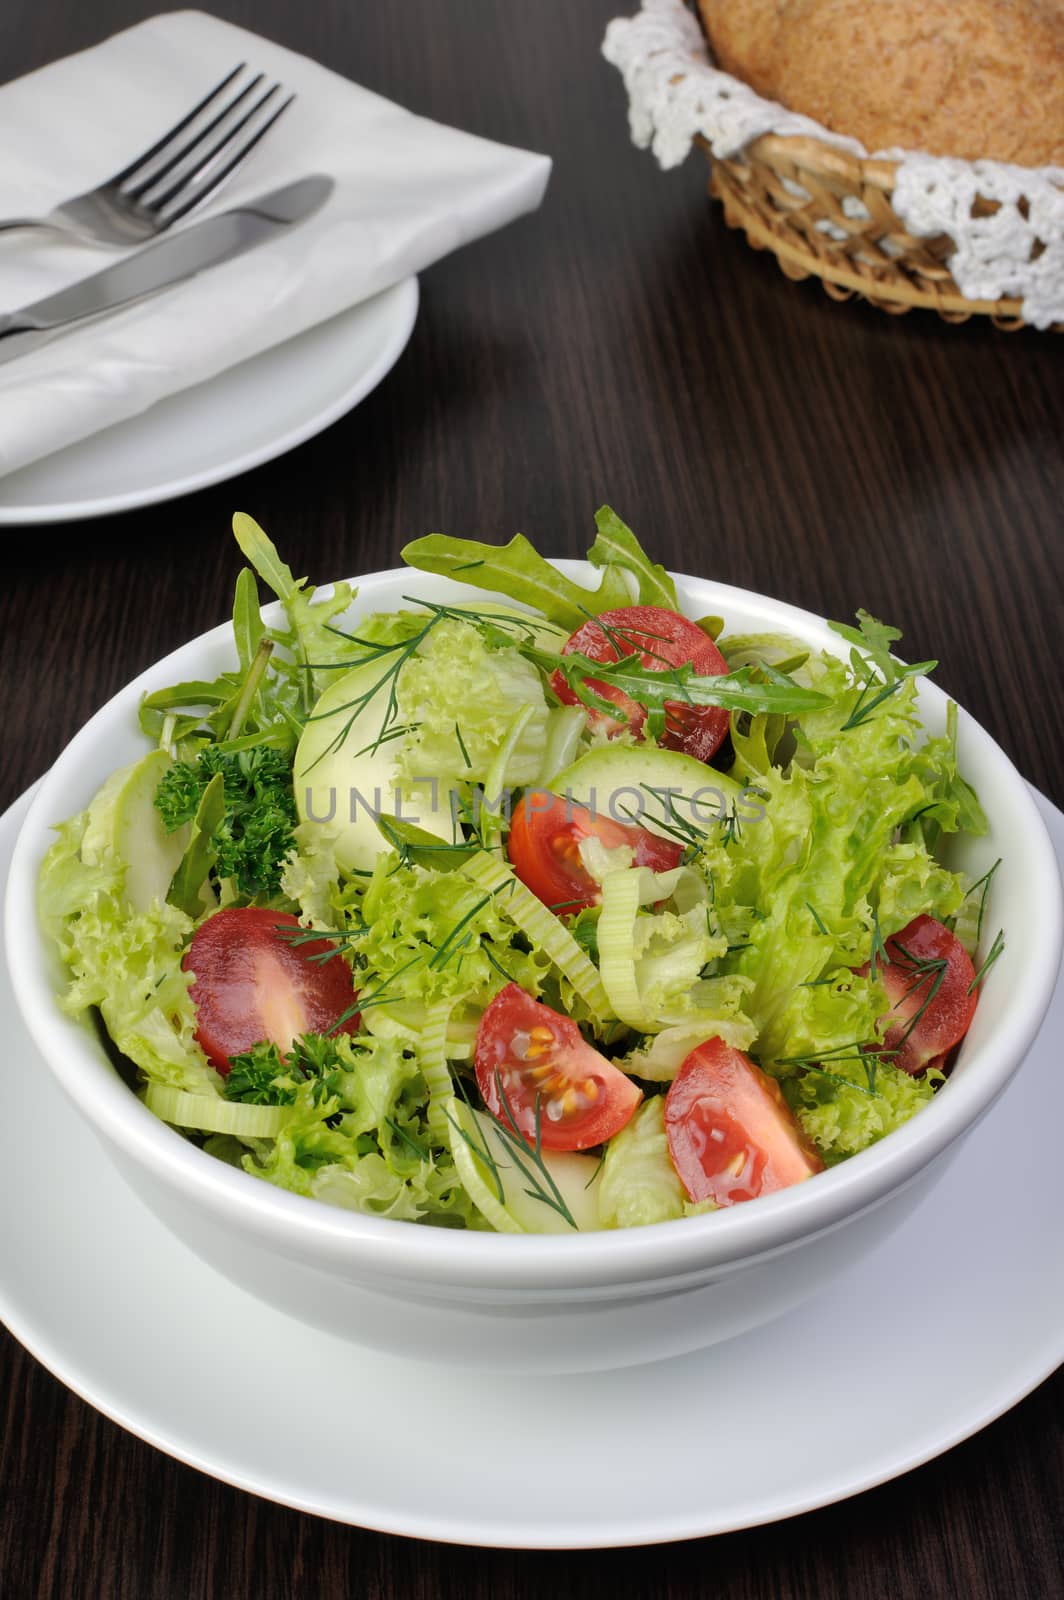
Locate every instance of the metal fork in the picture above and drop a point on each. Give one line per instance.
(177, 173)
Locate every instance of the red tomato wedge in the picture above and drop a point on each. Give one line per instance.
(544, 849)
(252, 985)
(731, 1134)
(526, 1051)
(662, 639)
(931, 983)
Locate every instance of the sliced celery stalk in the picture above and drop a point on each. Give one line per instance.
(543, 928)
(211, 1114)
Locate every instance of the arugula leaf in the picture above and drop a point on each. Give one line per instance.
(248, 626)
(617, 546)
(876, 670)
(737, 691)
(197, 692)
(516, 570)
(875, 639)
(415, 846)
(316, 643)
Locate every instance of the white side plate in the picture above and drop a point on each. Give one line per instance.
(214, 431)
(954, 1319)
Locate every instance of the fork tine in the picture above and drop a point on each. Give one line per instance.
(134, 166)
(199, 192)
(155, 177)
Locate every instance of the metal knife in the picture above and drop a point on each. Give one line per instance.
(178, 256)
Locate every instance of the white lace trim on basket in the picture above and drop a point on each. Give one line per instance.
(675, 93)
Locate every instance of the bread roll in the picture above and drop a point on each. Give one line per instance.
(969, 78)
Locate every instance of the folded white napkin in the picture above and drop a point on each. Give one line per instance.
(407, 192)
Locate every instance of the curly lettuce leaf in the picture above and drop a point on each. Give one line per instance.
(458, 698)
(67, 884)
(432, 935)
(838, 846)
(671, 951)
(310, 876)
(365, 1145)
(639, 1183)
(125, 963)
(842, 1118)
(130, 968)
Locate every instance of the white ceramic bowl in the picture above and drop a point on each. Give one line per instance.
(546, 1303)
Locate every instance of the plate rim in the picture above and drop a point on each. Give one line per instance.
(420, 1526)
(402, 299)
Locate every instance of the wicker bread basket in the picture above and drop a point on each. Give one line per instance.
(785, 190)
(827, 214)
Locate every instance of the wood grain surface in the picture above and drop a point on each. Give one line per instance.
(619, 345)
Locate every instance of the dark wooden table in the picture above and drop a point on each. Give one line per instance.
(619, 345)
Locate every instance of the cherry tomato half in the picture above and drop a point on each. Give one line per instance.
(731, 1134)
(253, 985)
(662, 639)
(930, 980)
(544, 849)
(525, 1051)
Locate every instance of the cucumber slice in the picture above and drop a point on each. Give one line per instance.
(618, 780)
(123, 821)
(341, 779)
(577, 1177)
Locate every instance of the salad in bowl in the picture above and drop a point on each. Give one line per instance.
(555, 912)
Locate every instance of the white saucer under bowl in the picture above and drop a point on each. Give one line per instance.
(895, 1363)
(214, 431)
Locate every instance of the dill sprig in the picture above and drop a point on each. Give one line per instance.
(496, 963)
(995, 950)
(478, 1144)
(415, 1145)
(338, 940)
(879, 950)
(679, 828)
(542, 1186)
(528, 1159)
(394, 656)
(871, 661)
(868, 1054)
(984, 883)
(929, 971)
(732, 827)
(600, 1163)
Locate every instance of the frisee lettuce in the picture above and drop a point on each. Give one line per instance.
(457, 699)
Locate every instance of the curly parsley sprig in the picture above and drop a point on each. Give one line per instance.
(254, 835)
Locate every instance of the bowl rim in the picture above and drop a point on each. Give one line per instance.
(438, 1258)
